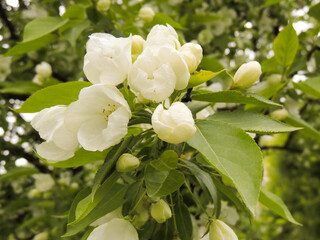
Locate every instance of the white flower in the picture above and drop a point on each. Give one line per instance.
(61, 143)
(192, 54)
(161, 35)
(44, 69)
(43, 182)
(220, 230)
(115, 229)
(146, 13)
(174, 125)
(247, 74)
(108, 59)
(157, 72)
(100, 117)
(160, 211)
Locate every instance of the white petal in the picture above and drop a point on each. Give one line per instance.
(52, 153)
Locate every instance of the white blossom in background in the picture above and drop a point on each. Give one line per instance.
(146, 13)
(115, 229)
(247, 74)
(34, 12)
(174, 125)
(100, 117)
(61, 143)
(43, 69)
(43, 182)
(220, 230)
(41, 236)
(192, 54)
(161, 35)
(108, 59)
(157, 72)
(5, 68)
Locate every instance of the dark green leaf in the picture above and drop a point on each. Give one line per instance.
(310, 86)
(167, 161)
(314, 11)
(81, 195)
(183, 220)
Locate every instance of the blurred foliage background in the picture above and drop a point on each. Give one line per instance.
(231, 33)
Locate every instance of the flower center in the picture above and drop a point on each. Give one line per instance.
(108, 110)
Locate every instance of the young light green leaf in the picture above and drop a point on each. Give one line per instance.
(285, 46)
(59, 94)
(24, 47)
(183, 220)
(73, 33)
(18, 172)
(276, 205)
(167, 161)
(233, 96)
(202, 77)
(310, 86)
(252, 122)
(40, 27)
(234, 154)
(80, 196)
(162, 183)
(162, 18)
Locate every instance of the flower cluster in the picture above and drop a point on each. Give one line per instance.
(153, 68)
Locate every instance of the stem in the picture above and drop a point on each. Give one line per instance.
(174, 217)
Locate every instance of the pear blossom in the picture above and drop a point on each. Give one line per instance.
(192, 54)
(61, 143)
(108, 59)
(220, 230)
(174, 125)
(44, 69)
(157, 72)
(161, 35)
(100, 117)
(115, 229)
(247, 74)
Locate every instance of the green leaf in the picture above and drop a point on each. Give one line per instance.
(110, 196)
(74, 11)
(167, 161)
(59, 94)
(285, 46)
(183, 220)
(234, 154)
(162, 183)
(20, 87)
(202, 77)
(80, 196)
(73, 33)
(252, 122)
(271, 2)
(310, 86)
(314, 11)
(276, 205)
(40, 27)
(18, 172)
(206, 184)
(232, 96)
(80, 158)
(270, 65)
(24, 47)
(161, 18)
(307, 128)
(202, 18)
(135, 191)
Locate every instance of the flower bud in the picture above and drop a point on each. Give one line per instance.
(137, 44)
(161, 211)
(279, 114)
(41, 236)
(34, 193)
(174, 125)
(44, 69)
(220, 230)
(127, 163)
(103, 5)
(146, 13)
(274, 79)
(247, 74)
(192, 54)
(115, 229)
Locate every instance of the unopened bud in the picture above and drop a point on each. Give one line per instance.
(127, 163)
(274, 79)
(221, 231)
(137, 44)
(192, 54)
(161, 211)
(44, 69)
(41, 236)
(103, 5)
(146, 13)
(279, 114)
(34, 193)
(247, 74)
